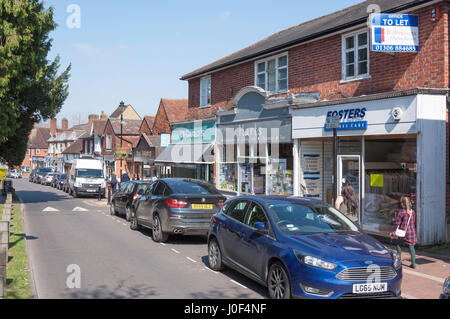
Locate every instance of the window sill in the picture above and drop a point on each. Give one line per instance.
(204, 106)
(356, 79)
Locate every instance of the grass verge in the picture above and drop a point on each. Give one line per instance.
(18, 277)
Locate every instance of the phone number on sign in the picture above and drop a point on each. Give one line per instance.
(395, 48)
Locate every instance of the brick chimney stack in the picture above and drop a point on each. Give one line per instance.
(92, 117)
(103, 116)
(64, 124)
(53, 126)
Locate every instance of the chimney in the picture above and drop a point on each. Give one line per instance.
(92, 117)
(64, 124)
(103, 116)
(53, 126)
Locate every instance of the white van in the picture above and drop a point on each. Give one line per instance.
(86, 178)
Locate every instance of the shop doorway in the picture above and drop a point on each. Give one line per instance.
(349, 172)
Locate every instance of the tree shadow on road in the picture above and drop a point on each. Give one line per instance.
(121, 291)
(30, 197)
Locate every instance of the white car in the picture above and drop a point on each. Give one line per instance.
(48, 179)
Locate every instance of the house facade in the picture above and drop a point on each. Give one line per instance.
(273, 101)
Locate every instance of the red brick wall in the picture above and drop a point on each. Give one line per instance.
(316, 66)
(161, 124)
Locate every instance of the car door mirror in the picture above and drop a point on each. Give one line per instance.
(261, 228)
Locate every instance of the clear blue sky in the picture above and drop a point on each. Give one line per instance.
(137, 50)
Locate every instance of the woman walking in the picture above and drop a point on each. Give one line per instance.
(406, 220)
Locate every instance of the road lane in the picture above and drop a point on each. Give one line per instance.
(115, 262)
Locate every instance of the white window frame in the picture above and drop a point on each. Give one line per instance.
(277, 68)
(355, 49)
(108, 140)
(202, 97)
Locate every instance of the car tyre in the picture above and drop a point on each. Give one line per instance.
(278, 282)
(215, 256)
(158, 235)
(112, 208)
(134, 224)
(128, 214)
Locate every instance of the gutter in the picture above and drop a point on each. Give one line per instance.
(306, 39)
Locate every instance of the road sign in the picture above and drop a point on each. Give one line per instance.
(395, 32)
(333, 122)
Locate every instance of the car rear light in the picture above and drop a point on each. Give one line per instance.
(220, 203)
(175, 203)
(213, 218)
(135, 196)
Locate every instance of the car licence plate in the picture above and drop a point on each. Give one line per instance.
(370, 288)
(202, 206)
(91, 190)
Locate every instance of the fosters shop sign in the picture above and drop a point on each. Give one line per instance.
(350, 119)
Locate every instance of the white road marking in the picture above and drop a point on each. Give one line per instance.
(188, 258)
(408, 296)
(415, 273)
(124, 224)
(79, 209)
(211, 270)
(163, 244)
(236, 283)
(50, 209)
(175, 251)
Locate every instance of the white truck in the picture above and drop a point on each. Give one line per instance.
(86, 178)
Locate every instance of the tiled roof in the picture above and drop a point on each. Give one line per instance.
(99, 127)
(75, 148)
(39, 138)
(134, 140)
(175, 109)
(307, 31)
(150, 120)
(130, 127)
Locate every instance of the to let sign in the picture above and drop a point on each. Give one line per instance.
(395, 32)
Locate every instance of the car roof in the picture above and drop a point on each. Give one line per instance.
(189, 180)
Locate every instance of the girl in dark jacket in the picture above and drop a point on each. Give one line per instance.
(406, 220)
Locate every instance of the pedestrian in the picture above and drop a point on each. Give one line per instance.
(406, 221)
(350, 199)
(113, 182)
(338, 202)
(124, 178)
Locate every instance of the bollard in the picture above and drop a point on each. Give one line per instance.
(109, 195)
(99, 193)
(4, 238)
(1, 287)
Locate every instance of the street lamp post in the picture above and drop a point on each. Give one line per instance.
(121, 142)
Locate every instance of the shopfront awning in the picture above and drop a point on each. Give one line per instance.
(187, 154)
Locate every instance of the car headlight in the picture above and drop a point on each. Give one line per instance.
(397, 260)
(315, 262)
(77, 184)
(446, 288)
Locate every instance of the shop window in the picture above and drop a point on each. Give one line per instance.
(280, 170)
(390, 173)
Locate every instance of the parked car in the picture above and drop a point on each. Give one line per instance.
(301, 248)
(446, 289)
(176, 206)
(122, 200)
(40, 174)
(32, 175)
(60, 181)
(47, 178)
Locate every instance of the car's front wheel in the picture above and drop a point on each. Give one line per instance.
(215, 256)
(128, 214)
(278, 282)
(134, 225)
(112, 208)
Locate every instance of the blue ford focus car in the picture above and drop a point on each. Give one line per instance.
(301, 248)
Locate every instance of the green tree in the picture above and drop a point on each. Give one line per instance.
(31, 90)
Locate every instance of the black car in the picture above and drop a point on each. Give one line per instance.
(60, 181)
(122, 200)
(176, 206)
(32, 175)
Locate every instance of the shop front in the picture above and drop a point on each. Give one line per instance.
(191, 153)
(387, 146)
(144, 157)
(255, 146)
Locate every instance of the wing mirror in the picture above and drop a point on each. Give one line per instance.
(260, 228)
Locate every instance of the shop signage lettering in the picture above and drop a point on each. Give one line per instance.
(351, 119)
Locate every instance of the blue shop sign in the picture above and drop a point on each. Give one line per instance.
(196, 132)
(350, 119)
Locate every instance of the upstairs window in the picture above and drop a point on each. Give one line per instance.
(205, 91)
(109, 142)
(272, 73)
(355, 51)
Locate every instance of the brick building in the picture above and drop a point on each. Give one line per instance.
(297, 78)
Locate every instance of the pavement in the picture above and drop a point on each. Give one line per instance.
(119, 263)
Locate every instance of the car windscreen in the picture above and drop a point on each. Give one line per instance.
(192, 187)
(89, 173)
(45, 170)
(301, 219)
